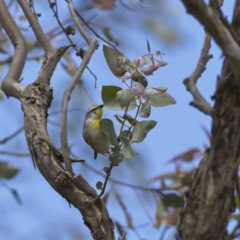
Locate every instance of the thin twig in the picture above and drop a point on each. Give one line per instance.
(55, 11)
(77, 24)
(105, 181)
(91, 29)
(133, 186)
(40, 35)
(199, 101)
(15, 154)
(117, 151)
(12, 135)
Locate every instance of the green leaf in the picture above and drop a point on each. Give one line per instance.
(145, 110)
(235, 217)
(172, 200)
(130, 119)
(116, 61)
(162, 99)
(105, 198)
(187, 178)
(99, 185)
(126, 134)
(109, 97)
(127, 149)
(140, 78)
(107, 127)
(141, 130)
(125, 97)
(116, 158)
(106, 170)
(16, 196)
(7, 171)
(118, 118)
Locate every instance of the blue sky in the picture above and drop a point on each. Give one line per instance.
(43, 211)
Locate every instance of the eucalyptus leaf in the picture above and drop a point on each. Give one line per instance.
(127, 149)
(117, 158)
(7, 171)
(162, 99)
(109, 97)
(172, 200)
(119, 119)
(140, 78)
(99, 185)
(16, 196)
(130, 119)
(106, 170)
(107, 127)
(125, 97)
(145, 110)
(141, 130)
(116, 61)
(126, 134)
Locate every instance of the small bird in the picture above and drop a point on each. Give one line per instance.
(92, 133)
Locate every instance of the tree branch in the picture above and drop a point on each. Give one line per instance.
(200, 102)
(36, 99)
(214, 22)
(77, 24)
(10, 84)
(40, 35)
(93, 45)
(11, 135)
(211, 190)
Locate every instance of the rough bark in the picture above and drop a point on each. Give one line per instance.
(35, 101)
(36, 98)
(210, 197)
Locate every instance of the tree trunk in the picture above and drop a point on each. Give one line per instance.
(210, 197)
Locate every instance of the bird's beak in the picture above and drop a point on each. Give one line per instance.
(101, 106)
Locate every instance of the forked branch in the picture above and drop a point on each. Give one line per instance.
(190, 82)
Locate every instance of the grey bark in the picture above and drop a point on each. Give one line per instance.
(210, 196)
(35, 99)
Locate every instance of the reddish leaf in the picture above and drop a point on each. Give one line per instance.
(188, 156)
(171, 217)
(208, 134)
(104, 4)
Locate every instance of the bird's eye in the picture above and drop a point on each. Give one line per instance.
(94, 112)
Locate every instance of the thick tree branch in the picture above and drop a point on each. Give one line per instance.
(36, 99)
(214, 23)
(10, 84)
(199, 101)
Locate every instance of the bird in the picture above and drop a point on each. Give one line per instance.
(92, 134)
